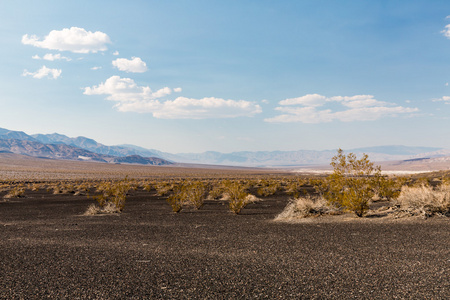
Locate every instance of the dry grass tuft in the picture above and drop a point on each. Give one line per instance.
(15, 192)
(304, 207)
(424, 201)
(109, 208)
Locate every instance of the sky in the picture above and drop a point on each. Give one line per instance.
(250, 75)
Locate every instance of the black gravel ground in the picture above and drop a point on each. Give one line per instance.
(49, 250)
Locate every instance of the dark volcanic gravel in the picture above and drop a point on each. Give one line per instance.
(49, 250)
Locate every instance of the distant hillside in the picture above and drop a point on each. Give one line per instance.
(136, 159)
(98, 151)
(17, 135)
(92, 145)
(307, 157)
(396, 150)
(63, 151)
(56, 151)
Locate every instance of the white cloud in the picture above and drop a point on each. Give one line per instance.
(308, 100)
(135, 65)
(445, 99)
(115, 53)
(43, 72)
(75, 39)
(312, 109)
(177, 90)
(189, 108)
(130, 97)
(96, 68)
(52, 57)
(446, 31)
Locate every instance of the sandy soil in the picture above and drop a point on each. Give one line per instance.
(50, 250)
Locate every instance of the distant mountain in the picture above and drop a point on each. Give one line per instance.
(58, 146)
(136, 154)
(63, 151)
(56, 151)
(136, 159)
(92, 145)
(17, 135)
(396, 150)
(307, 157)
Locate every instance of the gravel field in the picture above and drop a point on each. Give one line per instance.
(50, 250)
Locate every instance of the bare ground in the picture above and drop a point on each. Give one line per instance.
(50, 250)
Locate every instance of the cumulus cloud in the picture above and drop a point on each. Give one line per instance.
(115, 53)
(135, 65)
(313, 108)
(446, 31)
(73, 39)
(43, 72)
(130, 97)
(96, 68)
(177, 90)
(52, 57)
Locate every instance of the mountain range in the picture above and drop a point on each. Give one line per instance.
(59, 146)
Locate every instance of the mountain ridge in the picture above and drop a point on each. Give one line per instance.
(58, 146)
(239, 158)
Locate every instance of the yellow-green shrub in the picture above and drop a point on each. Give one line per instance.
(353, 182)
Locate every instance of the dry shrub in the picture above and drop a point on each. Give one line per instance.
(176, 199)
(425, 201)
(113, 193)
(15, 192)
(304, 207)
(252, 199)
(108, 208)
(236, 192)
(164, 188)
(294, 188)
(192, 193)
(216, 192)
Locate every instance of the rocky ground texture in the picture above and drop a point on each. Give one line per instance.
(48, 249)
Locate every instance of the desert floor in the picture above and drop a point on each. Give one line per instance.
(50, 250)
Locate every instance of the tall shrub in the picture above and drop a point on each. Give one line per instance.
(353, 182)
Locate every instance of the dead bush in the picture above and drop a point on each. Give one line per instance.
(307, 206)
(16, 192)
(424, 200)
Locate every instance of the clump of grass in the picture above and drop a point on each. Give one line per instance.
(307, 206)
(164, 188)
(108, 208)
(268, 188)
(190, 193)
(424, 201)
(113, 195)
(294, 188)
(16, 192)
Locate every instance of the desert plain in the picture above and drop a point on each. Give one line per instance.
(51, 249)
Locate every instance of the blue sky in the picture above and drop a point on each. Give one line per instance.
(193, 76)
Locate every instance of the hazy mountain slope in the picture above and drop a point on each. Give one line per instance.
(242, 158)
(18, 135)
(92, 145)
(57, 151)
(63, 151)
(306, 157)
(396, 150)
